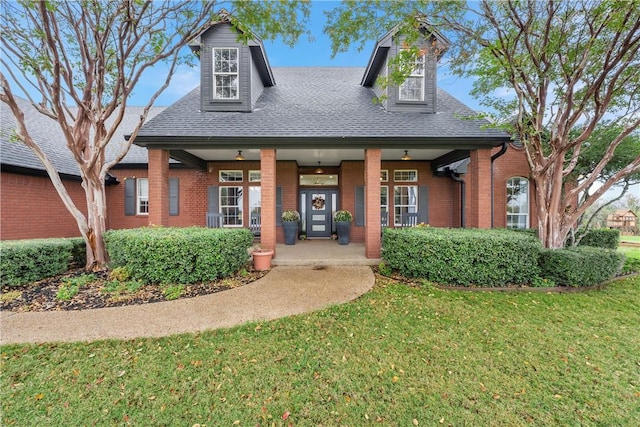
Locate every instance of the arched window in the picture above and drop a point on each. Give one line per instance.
(517, 202)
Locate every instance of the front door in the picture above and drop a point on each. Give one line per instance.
(317, 208)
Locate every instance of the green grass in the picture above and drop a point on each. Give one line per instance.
(398, 356)
(632, 261)
(630, 239)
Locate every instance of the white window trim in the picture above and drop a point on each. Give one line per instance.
(140, 198)
(411, 208)
(385, 207)
(220, 73)
(240, 207)
(415, 74)
(255, 176)
(528, 203)
(396, 179)
(229, 172)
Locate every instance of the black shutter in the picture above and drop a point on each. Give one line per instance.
(214, 206)
(279, 206)
(174, 196)
(423, 204)
(359, 213)
(130, 196)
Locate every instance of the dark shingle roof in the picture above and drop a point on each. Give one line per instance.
(313, 103)
(48, 135)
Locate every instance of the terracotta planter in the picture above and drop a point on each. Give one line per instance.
(262, 260)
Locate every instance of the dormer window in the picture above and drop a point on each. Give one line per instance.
(413, 87)
(225, 73)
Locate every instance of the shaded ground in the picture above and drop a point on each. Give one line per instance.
(104, 291)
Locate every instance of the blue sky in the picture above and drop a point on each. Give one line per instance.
(305, 53)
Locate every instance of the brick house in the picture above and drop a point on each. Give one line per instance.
(623, 220)
(253, 141)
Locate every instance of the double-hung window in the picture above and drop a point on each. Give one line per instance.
(405, 200)
(517, 202)
(225, 73)
(412, 89)
(231, 203)
(142, 196)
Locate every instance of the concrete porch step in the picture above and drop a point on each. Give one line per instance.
(321, 253)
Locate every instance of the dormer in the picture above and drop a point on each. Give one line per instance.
(418, 92)
(232, 74)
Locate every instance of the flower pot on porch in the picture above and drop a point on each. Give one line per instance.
(290, 232)
(343, 220)
(343, 228)
(262, 260)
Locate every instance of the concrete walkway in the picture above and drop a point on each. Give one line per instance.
(284, 291)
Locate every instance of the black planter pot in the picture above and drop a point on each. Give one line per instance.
(343, 228)
(290, 232)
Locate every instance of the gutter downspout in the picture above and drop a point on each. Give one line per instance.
(456, 177)
(493, 158)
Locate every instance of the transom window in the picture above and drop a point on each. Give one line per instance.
(405, 200)
(142, 196)
(405, 175)
(413, 87)
(231, 202)
(255, 176)
(517, 202)
(231, 176)
(225, 73)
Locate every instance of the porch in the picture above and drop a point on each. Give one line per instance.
(322, 252)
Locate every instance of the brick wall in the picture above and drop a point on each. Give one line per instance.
(31, 208)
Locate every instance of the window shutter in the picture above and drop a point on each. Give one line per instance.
(279, 206)
(423, 204)
(130, 196)
(174, 196)
(359, 213)
(214, 206)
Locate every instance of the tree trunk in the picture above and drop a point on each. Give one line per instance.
(97, 257)
(550, 204)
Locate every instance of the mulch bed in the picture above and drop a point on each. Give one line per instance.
(41, 296)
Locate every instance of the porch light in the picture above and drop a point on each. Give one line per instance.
(406, 155)
(319, 170)
(239, 156)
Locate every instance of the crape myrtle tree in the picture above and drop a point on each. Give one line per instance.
(79, 62)
(568, 66)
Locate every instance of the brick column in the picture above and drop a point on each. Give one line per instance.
(268, 197)
(479, 189)
(372, 240)
(158, 187)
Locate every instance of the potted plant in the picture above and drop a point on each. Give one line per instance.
(261, 258)
(290, 220)
(343, 220)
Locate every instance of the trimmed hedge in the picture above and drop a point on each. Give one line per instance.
(580, 266)
(601, 238)
(179, 255)
(25, 261)
(462, 256)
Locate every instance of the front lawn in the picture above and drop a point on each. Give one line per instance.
(400, 355)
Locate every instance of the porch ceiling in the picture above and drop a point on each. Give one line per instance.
(311, 157)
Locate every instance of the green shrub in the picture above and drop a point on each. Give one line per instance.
(601, 238)
(78, 252)
(25, 261)
(179, 255)
(580, 266)
(462, 256)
